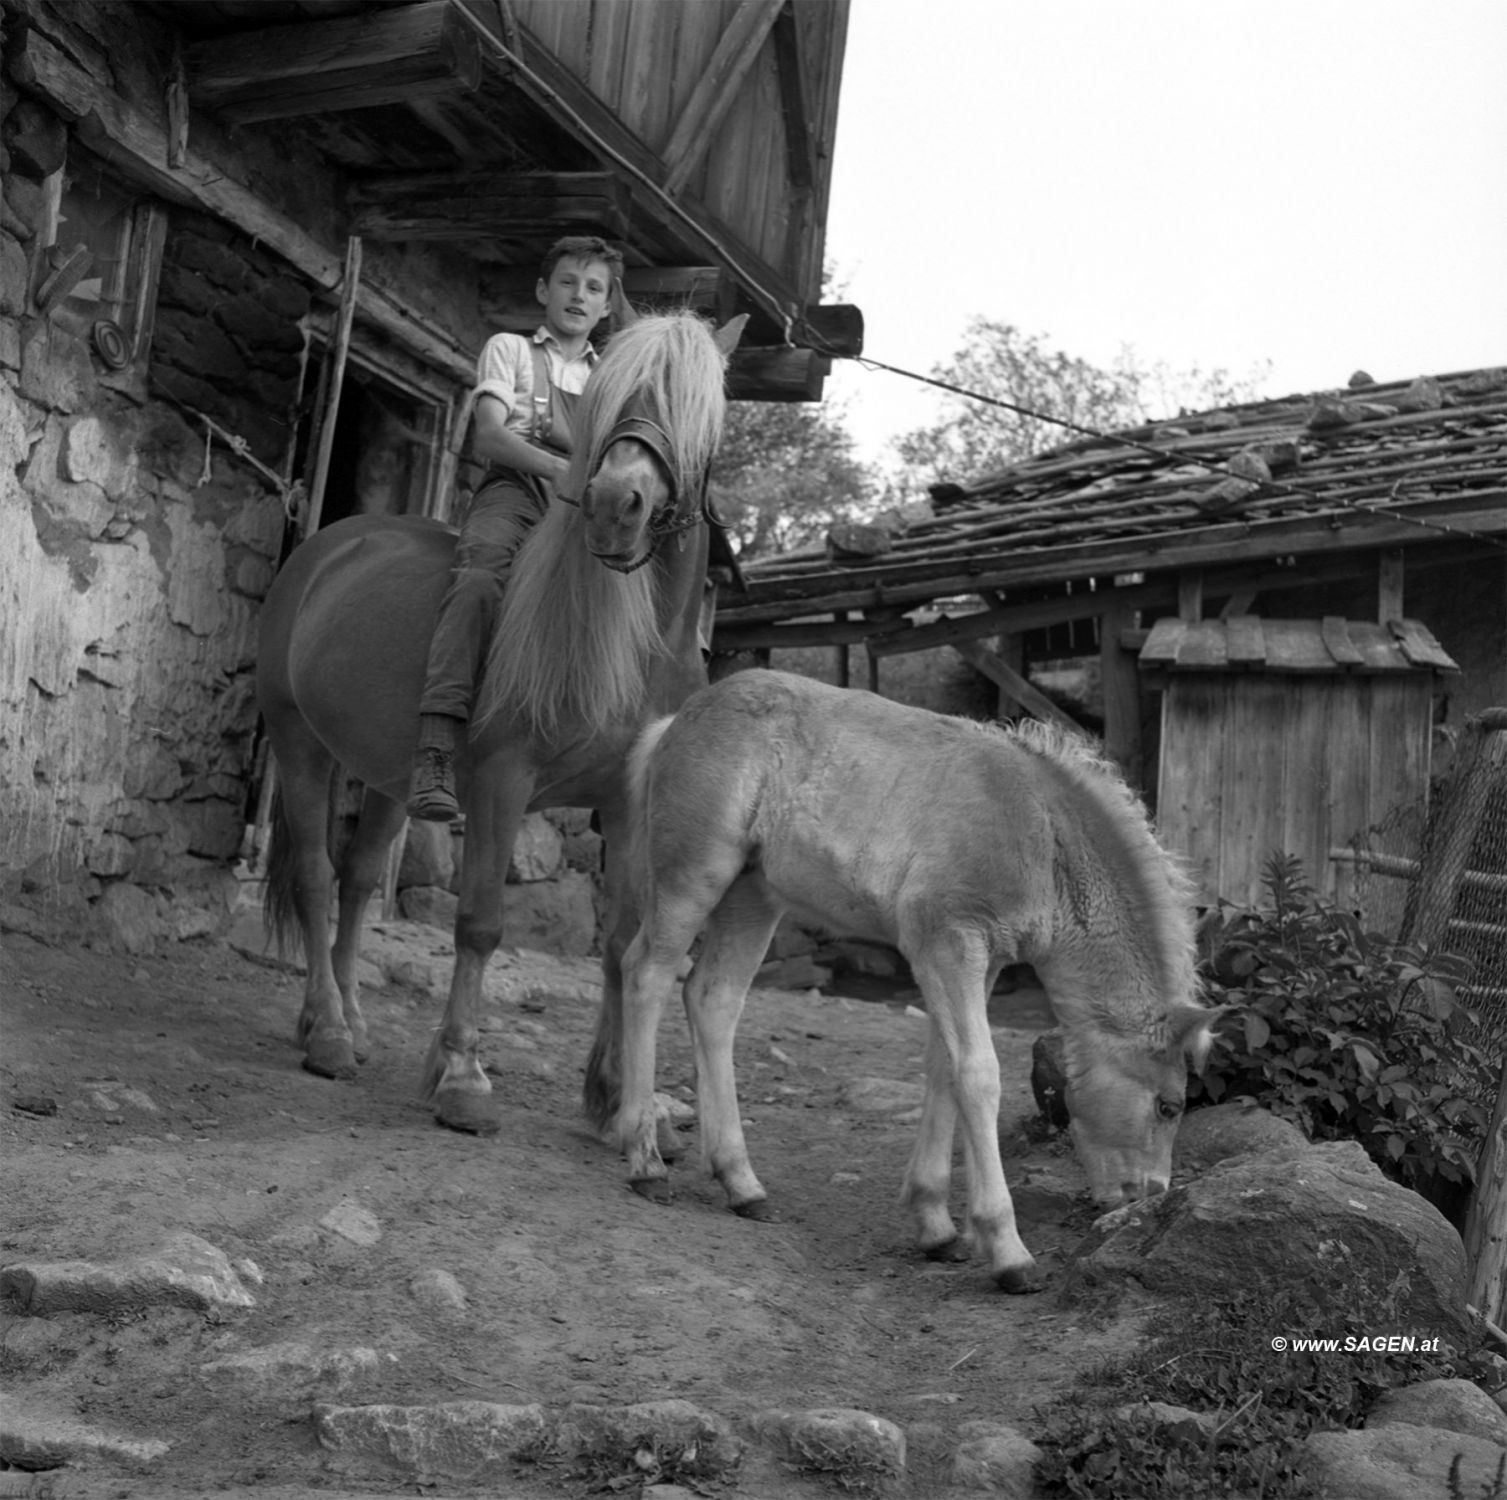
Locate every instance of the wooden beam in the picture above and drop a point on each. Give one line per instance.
(716, 90)
(795, 101)
(1011, 682)
(833, 328)
(1190, 595)
(1389, 579)
(1121, 681)
(781, 373)
(488, 205)
(137, 145)
(386, 56)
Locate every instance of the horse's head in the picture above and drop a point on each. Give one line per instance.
(649, 481)
(1125, 1096)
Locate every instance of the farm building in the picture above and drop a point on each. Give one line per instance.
(1288, 606)
(251, 249)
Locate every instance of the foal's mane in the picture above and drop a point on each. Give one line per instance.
(574, 640)
(1166, 891)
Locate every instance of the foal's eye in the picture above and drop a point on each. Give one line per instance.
(1169, 1109)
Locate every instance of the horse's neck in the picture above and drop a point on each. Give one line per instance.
(680, 587)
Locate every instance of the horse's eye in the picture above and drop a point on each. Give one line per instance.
(1169, 1109)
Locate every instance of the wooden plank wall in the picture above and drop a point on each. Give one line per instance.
(1253, 764)
(643, 58)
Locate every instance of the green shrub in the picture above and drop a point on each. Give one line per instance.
(1347, 1034)
(1215, 1356)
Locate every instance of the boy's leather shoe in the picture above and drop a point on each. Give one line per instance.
(431, 789)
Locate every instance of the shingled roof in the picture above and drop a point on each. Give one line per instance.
(1373, 465)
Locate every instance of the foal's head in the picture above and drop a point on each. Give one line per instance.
(1125, 1096)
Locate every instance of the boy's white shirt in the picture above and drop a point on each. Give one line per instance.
(506, 370)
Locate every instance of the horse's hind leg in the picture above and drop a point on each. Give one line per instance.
(304, 771)
(928, 1177)
(361, 868)
(953, 969)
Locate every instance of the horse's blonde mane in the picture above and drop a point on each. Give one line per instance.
(1167, 890)
(574, 640)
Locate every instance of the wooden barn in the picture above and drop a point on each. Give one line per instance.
(1285, 607)
(249, 251)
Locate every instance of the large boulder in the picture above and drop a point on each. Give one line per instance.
(1221, 1132)
(1285, 1222)
(1401, 1462)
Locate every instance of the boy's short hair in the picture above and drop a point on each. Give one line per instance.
(581, 247)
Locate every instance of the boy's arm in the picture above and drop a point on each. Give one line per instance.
(496, 443)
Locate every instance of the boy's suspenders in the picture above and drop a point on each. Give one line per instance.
(539, 426)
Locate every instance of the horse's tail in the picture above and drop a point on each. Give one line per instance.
(279, 916)
(602, 1091)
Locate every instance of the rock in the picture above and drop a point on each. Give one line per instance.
(127, 918)
(1452, 1405)
(790, 940)
(883, 1095)
(558, 916)
(674, 1432)
(464, 1442)
(1308, 1219)
(854, 1448)
(871, 960)
(353, 1222)
(1048, 1080)
(797, 973)
(36, 1435)
(428, 856)
(1400, 1462)
(996, 1457)
(292, 1371)
(438, 1290)
(537, 851)
(185, 1271)
(1209, 1136)
(429, 904)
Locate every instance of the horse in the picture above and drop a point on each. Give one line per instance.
(965, 845)
(598, 633)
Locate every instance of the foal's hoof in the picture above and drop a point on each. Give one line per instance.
(1020, 1279)
(467, 1111)
(655, 1189)
(330, 1057)
(757, 1209)
(953, 1252)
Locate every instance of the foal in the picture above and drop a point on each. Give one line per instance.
(965, 846)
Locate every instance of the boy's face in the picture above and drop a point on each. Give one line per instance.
(575, 297)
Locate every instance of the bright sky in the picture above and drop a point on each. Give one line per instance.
(1321, 184)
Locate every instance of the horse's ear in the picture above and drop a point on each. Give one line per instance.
(623, 311)
(726, 338)
(1192, 1028)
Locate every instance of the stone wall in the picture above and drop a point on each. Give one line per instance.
(132, 560)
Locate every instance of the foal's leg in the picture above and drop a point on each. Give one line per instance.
(361, 869)
(928, 1178)
(453, 1075)
(952, 969)
(736, 940)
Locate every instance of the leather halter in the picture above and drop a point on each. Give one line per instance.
(669, 519)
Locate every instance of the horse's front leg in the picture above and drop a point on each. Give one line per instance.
(361, 870)
(602, 1092)
(453, 1075)
(953, 969)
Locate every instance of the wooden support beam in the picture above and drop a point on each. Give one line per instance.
(833, 328)
(1486, 1221)
(716, 90)
(386, 56)
(780, 373)
(1029, 697)
(137, 145)
(1120, 679)
(492, 205)
(1389, 579)
(795, 101)
(1190, 595)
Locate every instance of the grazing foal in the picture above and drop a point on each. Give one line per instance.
(965, 846)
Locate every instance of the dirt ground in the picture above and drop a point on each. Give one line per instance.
(181, 1106)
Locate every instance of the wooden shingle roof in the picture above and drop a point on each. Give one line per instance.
(1378, 465)
(1248, 643)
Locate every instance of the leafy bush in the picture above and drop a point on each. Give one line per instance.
(1347, 1034)
(1215, 1356)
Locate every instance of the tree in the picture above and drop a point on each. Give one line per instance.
(973, 438)
(784, 474)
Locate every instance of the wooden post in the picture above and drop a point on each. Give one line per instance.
(873, 671)
(1486, 1224)
(1121, 680)
(1389, 573)
(1190, 594)
(1025, 693)
(348, 292)
(840, 650)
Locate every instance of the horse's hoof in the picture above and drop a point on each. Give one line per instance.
(330, 1057)
(655, 1189)
(1018, 1280)
(466, 1110)
(953, 1251)
(757, 1209)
